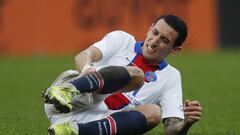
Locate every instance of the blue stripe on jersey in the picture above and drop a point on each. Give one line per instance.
(138, 50)
(135, 92)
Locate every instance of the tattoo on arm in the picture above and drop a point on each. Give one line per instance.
(175, 126)
(170, 121)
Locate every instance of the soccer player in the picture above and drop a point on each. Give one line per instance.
(122, 86)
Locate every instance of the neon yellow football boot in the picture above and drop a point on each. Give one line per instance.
(62, 129)
(61, 97)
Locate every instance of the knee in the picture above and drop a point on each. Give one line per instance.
(136, 74)
(152, 114)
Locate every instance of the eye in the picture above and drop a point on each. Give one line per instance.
(165, 40)
(155, 32)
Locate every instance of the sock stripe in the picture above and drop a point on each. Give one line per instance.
(112, 125)
(110, 128)
(100, 81)
(122, 123)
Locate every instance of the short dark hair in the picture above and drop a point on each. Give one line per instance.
(177, 24)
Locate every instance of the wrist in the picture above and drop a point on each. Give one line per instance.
(188, 122)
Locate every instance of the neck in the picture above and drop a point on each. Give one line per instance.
(150, 62)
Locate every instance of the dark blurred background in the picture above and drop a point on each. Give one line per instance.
(229, 20)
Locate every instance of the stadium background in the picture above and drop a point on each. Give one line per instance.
(39, 38)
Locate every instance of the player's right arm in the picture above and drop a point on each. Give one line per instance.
(86, 57)
(109, 45)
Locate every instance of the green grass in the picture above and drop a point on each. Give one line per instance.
(211, 78)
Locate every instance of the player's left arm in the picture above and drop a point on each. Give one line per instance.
(177, 126)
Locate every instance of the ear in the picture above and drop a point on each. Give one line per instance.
(176, 50)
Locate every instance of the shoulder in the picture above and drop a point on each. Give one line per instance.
(120, 34)
(120, 40)
(169, 76)
(172, 71)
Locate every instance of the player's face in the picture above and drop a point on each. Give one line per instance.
(159, 42)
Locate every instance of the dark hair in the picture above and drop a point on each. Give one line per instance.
(177, 24)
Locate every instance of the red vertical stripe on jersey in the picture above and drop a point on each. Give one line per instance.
(116, 101)
(141, 63)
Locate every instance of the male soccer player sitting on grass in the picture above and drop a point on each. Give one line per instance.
(131, 94)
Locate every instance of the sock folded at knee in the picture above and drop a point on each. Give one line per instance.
(120, 123)
(106, 80)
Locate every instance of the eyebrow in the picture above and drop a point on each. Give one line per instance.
(163, 35)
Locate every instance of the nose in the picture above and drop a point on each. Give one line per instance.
(154, 41)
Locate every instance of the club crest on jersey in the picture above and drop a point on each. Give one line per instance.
(151, 76)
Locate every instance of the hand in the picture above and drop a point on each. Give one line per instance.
(192, 111)
(87, 69)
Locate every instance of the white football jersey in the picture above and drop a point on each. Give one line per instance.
(162, 82)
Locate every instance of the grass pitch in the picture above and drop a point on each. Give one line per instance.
(211, 78)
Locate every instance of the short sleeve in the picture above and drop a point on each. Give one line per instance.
(171, 102)
(112, 43)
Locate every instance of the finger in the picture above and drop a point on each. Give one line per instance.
(186, 102)
(194, 118)
(194, 103)
(89, 70)
(193, 113)
(83, 73)
(192, 108)
(85, 67)
(93, 69)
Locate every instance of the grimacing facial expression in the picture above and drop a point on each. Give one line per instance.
(159, 42)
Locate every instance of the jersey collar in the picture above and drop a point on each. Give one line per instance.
(138, 50)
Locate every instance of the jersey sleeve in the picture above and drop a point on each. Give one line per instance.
(112, 43)
(171, 101)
